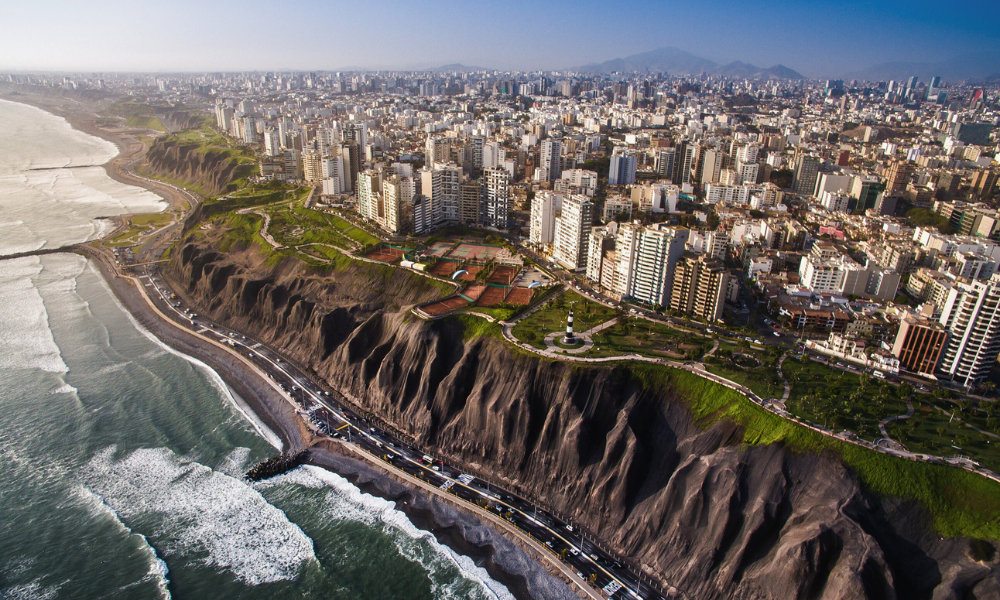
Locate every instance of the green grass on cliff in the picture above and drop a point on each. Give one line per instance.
(145, 123)
(959, 503)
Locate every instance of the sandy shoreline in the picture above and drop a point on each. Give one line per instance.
(456, 527)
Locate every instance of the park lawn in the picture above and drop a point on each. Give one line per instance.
(763, 380)
(500, 314)
(957, 502)
(553, 315)
(145, 123)
(840, 400)
(931, 431)
(648, 338)
(152, 219)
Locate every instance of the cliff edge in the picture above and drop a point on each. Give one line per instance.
(628, 451)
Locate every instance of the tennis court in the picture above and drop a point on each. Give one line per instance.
(386, 255)
(474, 291)
(438, 249)
(492, 296)
(520, 296)
(474, 252)
(503, 275)
(444, 268)
(445, 306)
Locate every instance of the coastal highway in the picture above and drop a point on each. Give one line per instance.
(328, 416)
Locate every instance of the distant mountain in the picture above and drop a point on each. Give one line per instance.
(675, 60)
(960, 68)
(459, 68)
(747, 71)
(670, 60)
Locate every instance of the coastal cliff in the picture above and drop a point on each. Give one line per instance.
(210, 171)
(617, 449)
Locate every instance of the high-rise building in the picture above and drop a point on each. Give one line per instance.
(572, 232)
(655, 251)
(665, 164)
(391, 209)
(897, 176)
(312, 168)
(805, 175)
(272, 143)
(472, 200)
(352, 164)
(544, 208)
(438, 150)
(369, 196)
(496, 197)
(699, 287)
(476, 143)
(551, 158)
(686, 162)
(866, 190)
(971, 314)
(442, 184)
(621, 171)
(918, 344)
(710, 163)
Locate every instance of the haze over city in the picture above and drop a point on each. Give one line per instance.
(817, 39)
(499, 301)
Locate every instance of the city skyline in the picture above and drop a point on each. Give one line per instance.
(181, 36)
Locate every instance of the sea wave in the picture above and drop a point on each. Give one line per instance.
(26, 341)
(196, 511)
(345, 501)
(158, 570)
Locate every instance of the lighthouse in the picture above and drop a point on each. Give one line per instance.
(569, 327)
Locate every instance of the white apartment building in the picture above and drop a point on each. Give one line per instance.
(971, 314)
(834, 201)
(572, 235)
(496, 197)
(544, 208)
(822, 276)
(442, 184)
(655, 254)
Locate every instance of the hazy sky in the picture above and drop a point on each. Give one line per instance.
(818, 38)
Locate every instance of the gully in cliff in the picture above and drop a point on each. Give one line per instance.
(276, 465)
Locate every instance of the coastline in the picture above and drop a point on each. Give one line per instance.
(455, 526)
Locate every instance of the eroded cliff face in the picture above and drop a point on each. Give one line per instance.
(708, 515)
(211, 171)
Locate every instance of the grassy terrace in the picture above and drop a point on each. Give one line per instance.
(839, 399)
(749, 368)
(659, 340)
(552, 317)
(143, 122)
(141, 224)
(931, 431)
(957, 502)
(355, 233)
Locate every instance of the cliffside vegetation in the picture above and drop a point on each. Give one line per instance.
(199, 159)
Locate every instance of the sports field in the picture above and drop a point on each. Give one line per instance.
(492, 296)
(503, 275)
(445, 306)
(438, 249)
(473, 252)
(386, 255)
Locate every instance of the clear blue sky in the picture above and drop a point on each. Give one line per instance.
(818, 38)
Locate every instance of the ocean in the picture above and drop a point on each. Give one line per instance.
(121, 460)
